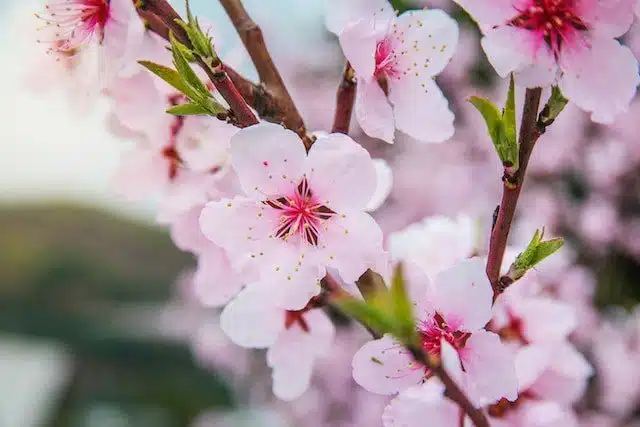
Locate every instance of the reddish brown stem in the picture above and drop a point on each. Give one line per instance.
(345, 99)
(513, 180)
(252, 38)
(164, 12)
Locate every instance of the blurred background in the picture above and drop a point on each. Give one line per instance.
(96, 327)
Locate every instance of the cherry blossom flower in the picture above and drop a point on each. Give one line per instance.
(294, 338)
(300, 214)
(571, 43)
(395, 60)
(435, 243)
(451, 313)
(112, 27)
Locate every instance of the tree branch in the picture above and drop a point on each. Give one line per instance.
(155, 12)
(345, 99)
(513, 180)
(251, 36)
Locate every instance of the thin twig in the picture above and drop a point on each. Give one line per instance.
(513, 180)
(345, 99)
(243, 116)
(252, 38)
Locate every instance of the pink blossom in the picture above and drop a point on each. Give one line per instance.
(396, 60)
(451, 313)
(300, 214)
(112, 27)
(294, 338)
(569, 43)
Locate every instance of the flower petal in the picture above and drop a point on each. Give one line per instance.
(340, 173)
(384, 184)
(510, 49)
(420, 109)
(488, 17)
(251, 320)
(383, 366)
(373, 111)
(358, 41)
(268, 160)
(490, 368)
(463, 295)
(412, 407)
(607, 18)
(215, 282)
(604, 88)
(429, 38)
(350, 243)
(339, 14)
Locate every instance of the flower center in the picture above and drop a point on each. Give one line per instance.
(74, 22)
(300, 214)
(433, 330)
(385, 59)
(555, 20)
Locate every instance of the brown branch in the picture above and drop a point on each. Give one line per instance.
(345, 99)
(165, 14)
(513, 180)
(251, 36)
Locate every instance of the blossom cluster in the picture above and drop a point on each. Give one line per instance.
(271, 217)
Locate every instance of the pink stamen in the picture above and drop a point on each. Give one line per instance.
(74, 22)
(556, 21)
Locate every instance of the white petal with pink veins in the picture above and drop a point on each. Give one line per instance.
(383, 366)
(510, 49)
(340, 173)
(373, 111)
(489, 367)
(429, 38)
(601, 79)
(268, 160)
(420, 109)
(463, 295)
(251, 319)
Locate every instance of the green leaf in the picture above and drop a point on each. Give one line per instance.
(180, 54)
(553, 108)
(510, 145)
(368, 315)
(537, 251)
(189, 109)
(401, 307)
(491, 115)
(172, 77)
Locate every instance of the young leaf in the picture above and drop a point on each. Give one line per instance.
(368, 315)
(511, 152)
(172, 77)
(537, 251)
(402, 308)
(491, 115)
(553, 108)
(189, 109)
(180, 53)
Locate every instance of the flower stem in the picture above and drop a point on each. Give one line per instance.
(345, 99)
(513, 180)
